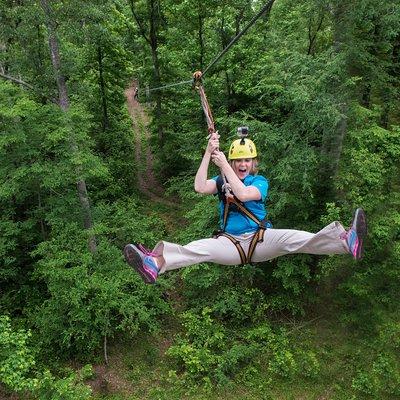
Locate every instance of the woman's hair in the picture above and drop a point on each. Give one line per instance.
(254, 167)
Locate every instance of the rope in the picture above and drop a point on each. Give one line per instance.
(206, 109)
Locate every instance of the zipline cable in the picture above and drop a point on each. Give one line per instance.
(170, 85)
(267, 7)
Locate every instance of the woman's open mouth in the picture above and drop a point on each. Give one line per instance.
(242, 172)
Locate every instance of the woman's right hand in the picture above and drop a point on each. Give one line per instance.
(213, 143)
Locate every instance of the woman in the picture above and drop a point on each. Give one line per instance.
(245, 235)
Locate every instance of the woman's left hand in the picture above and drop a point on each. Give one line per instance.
(218, 158)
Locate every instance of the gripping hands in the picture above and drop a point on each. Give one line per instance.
(213, 143)
(217, 156)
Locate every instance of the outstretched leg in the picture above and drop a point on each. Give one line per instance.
(278, 242)
(333, 239)
(215, 250)
(167, 256)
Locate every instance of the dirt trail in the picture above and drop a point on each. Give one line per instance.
(147, 183)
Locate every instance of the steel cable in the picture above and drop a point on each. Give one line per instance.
(267, 7)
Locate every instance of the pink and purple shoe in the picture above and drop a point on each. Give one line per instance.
(142, 260)
(356, 234)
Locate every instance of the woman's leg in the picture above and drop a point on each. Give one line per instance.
(277, 242)
(167, 256)
(220, 250)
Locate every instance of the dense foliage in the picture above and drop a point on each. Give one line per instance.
(317, 82)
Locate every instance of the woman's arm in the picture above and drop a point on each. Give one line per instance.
(201, 183)
(239, 189)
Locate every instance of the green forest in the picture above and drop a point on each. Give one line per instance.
(88, 165)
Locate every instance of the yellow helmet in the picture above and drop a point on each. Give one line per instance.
(242, 148)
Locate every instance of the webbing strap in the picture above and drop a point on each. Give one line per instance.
(242, 209)
(237, 244)
(206, 109)
(225, 216)
(204, 102)
(257, 238)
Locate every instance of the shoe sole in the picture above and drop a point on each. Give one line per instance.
(360, 225)
(132, 257)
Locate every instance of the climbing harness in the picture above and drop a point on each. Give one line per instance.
(258, 237)
(232, 203)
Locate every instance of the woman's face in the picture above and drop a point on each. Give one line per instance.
(242, 167)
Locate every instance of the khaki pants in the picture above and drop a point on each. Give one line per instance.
(277, 242)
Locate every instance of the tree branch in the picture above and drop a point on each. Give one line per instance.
(15, 80)
(141, 28)
(312, 37)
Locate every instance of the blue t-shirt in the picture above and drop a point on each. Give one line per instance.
(237, 223)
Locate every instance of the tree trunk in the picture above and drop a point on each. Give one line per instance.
(342, 96)
(105, 122)
(151, 38)
(154, 22)
(64, 105)
(105, 349)
(42, 224)
(365, 98)
(337, 142)
(387, 95)
(332, 142)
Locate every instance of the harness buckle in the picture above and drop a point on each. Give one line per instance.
(217, 233)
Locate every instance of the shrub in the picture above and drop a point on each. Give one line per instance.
(19, 372)
(209, 352)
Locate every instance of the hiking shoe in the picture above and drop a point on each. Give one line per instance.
(356, 234)
(142, 259)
